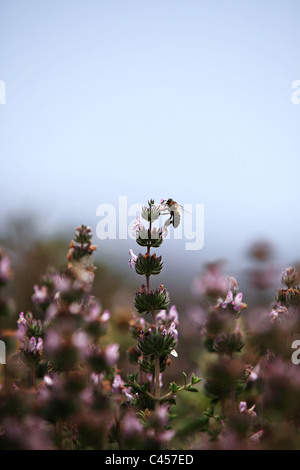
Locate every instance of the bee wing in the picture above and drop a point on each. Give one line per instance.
(176, 206)
(183, 210)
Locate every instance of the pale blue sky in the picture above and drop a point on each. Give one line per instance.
(183, 99)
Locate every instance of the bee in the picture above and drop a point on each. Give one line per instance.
(174, 211)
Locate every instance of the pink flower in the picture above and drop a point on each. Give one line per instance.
(173, 314)
(80, 340)
(166, 436)
(22, 329)
(22, 320)
(278, 313)
(228, 300)
(150, 379)
(32, 344)
(237, 303)
(242, 406)
(61, 283)
(111, 354)
(133, 259)
(105, 316)
(212, 282)
(5, 269)
(163, 415)
(96, 378)
(255, 438)
(162, 204)
(74, 308)
(40, 294)
(172, 330)
(40, 345)
(243, 409)
(94, 308)
(137, 226)
(166, 319)
(163, 316)
(117, 383)
(254, 374)
(127, 393)
(131, 425)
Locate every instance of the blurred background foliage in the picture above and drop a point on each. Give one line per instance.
(115, 284)
(32, 256)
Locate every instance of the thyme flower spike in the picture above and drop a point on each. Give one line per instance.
(158, 340)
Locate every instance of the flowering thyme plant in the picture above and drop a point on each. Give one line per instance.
(67, 383)
(6, 307)
(156, 339)
(72, 373)
(6, 276)
(226, 377)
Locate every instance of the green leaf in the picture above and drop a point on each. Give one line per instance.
(209, 412)
(174, 387)
(195, 379)
(192, 389)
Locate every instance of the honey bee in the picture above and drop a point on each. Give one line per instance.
(174, 211)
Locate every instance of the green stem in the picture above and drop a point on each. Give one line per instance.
(169, 394)
(232, 392)
(32, 377)
(156, 357)
(157, 385)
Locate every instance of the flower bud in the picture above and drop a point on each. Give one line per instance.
(158, 299)
(290, 277)
(156, 342)
(229, 343)
(148, 265)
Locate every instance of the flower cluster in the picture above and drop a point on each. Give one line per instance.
(67, 386)
(220, 308)
(156, 341)
(222, 331)
(6, 275)
(212, 283)
(73, 374)
(30, 336)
